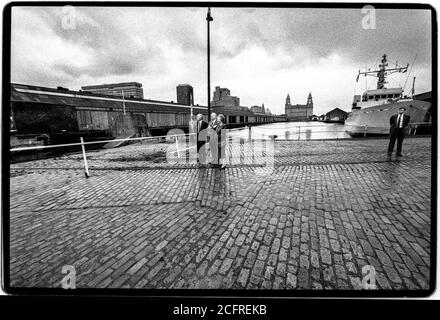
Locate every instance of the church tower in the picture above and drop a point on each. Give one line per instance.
(310, 99)
(309, 105)
(287, 106)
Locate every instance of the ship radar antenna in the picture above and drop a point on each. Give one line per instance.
(383, 72)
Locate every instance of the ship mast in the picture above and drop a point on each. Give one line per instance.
(412, 90)
(382, 72)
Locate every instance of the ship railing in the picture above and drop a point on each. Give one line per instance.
(412, 127)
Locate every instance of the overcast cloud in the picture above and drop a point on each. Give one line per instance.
(259, 54)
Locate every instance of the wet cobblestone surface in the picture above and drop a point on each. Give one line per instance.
(325, 210)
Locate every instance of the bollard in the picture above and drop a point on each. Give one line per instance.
(415, 130)
(365, 130)
(86, 167)
(249, 133)
(299, 133)
(273, 137)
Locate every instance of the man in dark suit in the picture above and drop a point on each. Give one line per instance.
(399, 123)
(201, 134)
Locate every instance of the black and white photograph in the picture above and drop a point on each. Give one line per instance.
(252, 149)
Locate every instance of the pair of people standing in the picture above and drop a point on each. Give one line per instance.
(212, 133)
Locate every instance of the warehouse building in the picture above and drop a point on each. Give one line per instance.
(63, 115)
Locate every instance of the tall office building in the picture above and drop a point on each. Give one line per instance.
(185, 94)
(126, 89)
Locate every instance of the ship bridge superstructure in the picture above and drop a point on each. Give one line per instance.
(377, 97)
(380, 95)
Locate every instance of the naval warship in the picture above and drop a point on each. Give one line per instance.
(371, 111)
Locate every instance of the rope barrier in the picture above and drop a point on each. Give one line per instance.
(97, 142)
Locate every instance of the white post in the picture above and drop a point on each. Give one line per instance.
(123, 101)
(177, 146)
(365, 130)
(86, 167)
(250, 133)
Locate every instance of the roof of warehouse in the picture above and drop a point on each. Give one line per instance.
(35, 94)
(44, 95)
(337, 110)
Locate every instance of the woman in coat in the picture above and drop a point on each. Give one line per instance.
(221, 143)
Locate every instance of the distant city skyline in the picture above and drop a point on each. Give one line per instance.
(261, 55)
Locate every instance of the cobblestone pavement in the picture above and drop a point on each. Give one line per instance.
(324, 211)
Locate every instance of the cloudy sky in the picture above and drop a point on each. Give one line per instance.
(259, 54)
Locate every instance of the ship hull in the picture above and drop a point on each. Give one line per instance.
(375, 120)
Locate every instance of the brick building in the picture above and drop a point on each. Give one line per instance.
(222, 98)
(126, 89)
(258, 109)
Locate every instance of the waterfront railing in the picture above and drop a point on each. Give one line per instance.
(181, 146)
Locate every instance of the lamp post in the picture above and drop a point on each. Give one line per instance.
(208, 20)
